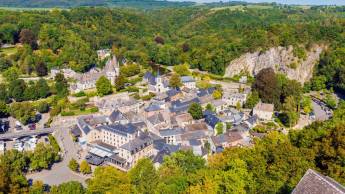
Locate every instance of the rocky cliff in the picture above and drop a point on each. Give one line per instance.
(280, 59)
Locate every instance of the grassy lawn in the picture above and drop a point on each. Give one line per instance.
(8, 51)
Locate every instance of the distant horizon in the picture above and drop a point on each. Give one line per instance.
(293, 2)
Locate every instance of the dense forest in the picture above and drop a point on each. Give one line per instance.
(274, 165)
(203, 37)
(146, 4)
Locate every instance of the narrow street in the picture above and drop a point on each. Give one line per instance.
(60, 173)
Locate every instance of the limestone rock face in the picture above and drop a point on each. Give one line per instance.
(280, 59)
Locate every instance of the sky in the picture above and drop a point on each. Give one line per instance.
(299, 2)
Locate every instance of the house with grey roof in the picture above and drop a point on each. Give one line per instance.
(315, 183)
(172, 136)
(263, 111)
(132, 151)
(219, 105)
(188, 82)
(157, 122)
(88, 80)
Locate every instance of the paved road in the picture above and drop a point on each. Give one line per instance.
(26, 133)
(60, 173)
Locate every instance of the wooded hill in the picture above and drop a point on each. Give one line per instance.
(205, 37)
(146, 4)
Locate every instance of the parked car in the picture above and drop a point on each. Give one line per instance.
(32, 126)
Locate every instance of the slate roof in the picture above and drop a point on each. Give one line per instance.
(116, 115)
(212, 120)
(156, 119)
(152, 107)
(219, 139)
(314, 183)
(264, 107)
(171, 132)
(138, 143)
(179, 106)
(204, 92)
(173, 92)
(76, 131)
(196, 126)
(120, 129)
(165, 151)
(186, 79)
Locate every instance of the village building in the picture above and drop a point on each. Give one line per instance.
(183, 119)
(230, 139)
(234, 99)
(315, 183)
(157, 122)
(172, 136)
(263, 111)
(219, 105)
(88, 80)
(156, 84)
(188, 82)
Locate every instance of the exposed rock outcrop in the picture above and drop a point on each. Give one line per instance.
(280, 59)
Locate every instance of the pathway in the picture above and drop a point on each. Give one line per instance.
(60, 173)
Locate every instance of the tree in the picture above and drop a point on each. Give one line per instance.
(11, 74)
(159, 40)
(28, 37)
(42, 88)
(185, 160)
(120, 82)
(41, 69)
(42, 157)
(219, 128)
(4, 93)
(290, 115)
(37, 187)
(238, 105)
(210, 107)
(23, 111)
(217, 94)
(109, 180)
(61, 85)
(307, 105)
(103, 86)
(195, 110)
(182, 69)
(85, 168)
(68, 187)
(175, 81)
(267, 86)
(330, 101)
(252, 100)
(73, 165)
(143, 176)
(43, 107)
(4, 110)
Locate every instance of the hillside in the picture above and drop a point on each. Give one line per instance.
(204, 37)
(146, 4)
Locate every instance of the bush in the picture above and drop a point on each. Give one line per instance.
(79, 94)
(94, 109)
(85, 168)
(54, 143)
(73, 165)
(43, 107)
(69, 113)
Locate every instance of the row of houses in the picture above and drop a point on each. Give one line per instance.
(130, 129)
